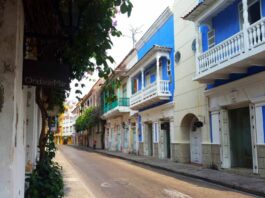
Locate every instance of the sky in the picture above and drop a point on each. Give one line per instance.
(144, 14)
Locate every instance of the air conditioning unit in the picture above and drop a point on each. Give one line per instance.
(165, 126)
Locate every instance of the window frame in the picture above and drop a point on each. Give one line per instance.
(240, 10)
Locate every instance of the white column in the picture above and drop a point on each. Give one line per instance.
(245, 24)
(157, 74)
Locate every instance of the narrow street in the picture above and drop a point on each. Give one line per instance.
(106, 177)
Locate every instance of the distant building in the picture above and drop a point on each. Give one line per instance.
(94, 134)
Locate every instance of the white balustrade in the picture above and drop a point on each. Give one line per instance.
(232, 47)
(136, 98)
(224, 51)
(151, 91)
(256, 33)
(164, 87)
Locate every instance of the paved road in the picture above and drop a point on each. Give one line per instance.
(107, 177)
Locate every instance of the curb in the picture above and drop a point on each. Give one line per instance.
(232, 186)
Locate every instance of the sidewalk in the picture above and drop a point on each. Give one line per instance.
(73, 185)
(253, 185)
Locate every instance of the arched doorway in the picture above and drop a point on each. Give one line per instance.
(191, 132)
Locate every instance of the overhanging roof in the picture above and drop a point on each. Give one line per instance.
(198, 10)
(206, 9)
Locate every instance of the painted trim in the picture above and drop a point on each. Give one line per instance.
(259, 77)
(154, 27)
(215, 127)
(155, 132)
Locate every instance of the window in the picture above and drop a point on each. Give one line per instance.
(150, 76)
(254, 12)
(134, 86)
(147, 79)
(211, 39)
(168, 68)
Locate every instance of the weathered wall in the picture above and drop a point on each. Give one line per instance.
(261, 159)
(180, 152)
(12, 114)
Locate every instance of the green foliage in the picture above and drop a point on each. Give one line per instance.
(54, 97)
(46, 180)
(109, 89)
(87, 119)
(87, 48)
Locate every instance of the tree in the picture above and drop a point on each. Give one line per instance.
(87, 119)
(82, 47)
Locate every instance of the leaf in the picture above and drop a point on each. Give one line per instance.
(78, 91)
(124, 8)
(117, 2)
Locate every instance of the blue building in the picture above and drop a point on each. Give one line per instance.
(152, 87)
(230, 59)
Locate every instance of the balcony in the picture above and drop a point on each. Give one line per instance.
(233, 55)
(151, 94)
(116, 108)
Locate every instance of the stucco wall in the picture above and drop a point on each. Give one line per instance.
(189, 95)
(261, 159)
(12, 116)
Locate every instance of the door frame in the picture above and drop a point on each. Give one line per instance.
(252, 116)
(200, 134)
(253, 133)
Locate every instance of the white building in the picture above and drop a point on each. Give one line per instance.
(68, 127)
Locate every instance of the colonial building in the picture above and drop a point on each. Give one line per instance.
(152, 85)
(94, 134)
(120, 128)
(230, 60)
